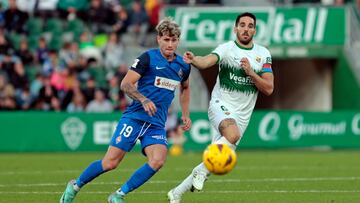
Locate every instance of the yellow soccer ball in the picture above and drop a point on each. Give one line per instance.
(219, 159)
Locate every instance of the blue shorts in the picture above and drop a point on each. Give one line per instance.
(128, 131)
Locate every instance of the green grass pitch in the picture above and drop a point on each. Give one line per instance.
(279, 176)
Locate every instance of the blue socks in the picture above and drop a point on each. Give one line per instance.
(92, 171)
(138, 178)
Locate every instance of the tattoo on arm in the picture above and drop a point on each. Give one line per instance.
(132, 92)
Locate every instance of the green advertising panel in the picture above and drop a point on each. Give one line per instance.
(298, 26)
(92, 132)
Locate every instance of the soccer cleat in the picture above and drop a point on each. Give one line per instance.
(69, 193)
(173, 197)
(116, 198)
(199, 177)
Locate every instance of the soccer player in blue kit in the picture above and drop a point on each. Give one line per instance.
(151, 83)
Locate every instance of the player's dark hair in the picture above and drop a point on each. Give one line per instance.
(246, 14)
(168, 27)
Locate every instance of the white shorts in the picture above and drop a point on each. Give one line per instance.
(218, 111)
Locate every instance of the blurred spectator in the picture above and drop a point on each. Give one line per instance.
(18, 78)
(48, 97)
(46, 8)
(14, 18)
(51, 63)
(5, 46)
(122, 21)
(26, 6)
(139, 22)
(24, 53)
(36, 85)
(6, 89)
(42, 52)
(2, 16)
(114, 52)
(14, 70)
(99, 17)
(99, 103)
(69, 9)
(69, 55)
(117, 97)
(24, 99)
(77, 104)
(174, 132)
(89, 90)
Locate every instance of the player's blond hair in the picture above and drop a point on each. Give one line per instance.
(168, 27)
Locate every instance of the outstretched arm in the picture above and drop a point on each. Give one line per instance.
(128, 86)
(264, 83)
(184, 102)
(200, 62)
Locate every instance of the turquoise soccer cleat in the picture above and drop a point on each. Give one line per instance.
(116, 198)
(69, 194)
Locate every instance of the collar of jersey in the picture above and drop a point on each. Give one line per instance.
(241, 47)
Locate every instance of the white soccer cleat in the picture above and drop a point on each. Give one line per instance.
(173, 197)
(199, 177)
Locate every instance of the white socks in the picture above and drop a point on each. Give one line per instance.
(187, 183)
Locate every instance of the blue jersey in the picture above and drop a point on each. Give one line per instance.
(159, 79)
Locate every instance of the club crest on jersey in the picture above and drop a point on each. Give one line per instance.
(180, 73)
(258, 59)
(166, 83)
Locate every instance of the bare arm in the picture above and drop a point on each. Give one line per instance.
(128, 87)
(200, 62)
(184, 102)
(264, 83)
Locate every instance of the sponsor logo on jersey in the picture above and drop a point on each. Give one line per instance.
(166, 83)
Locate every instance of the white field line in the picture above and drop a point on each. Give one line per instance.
(210, 191)
(214, 181)
(240, 168)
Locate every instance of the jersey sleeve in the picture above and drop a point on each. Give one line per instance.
(141, 64)
(267, 63)
(187, 73)
(219, 52)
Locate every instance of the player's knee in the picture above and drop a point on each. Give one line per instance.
(156, 163)
(109, 165)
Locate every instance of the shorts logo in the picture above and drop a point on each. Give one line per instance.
(166, 83)
(118, 139)
(224, 108)
(159, 137)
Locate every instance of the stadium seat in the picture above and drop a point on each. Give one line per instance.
(76, 26)
(34, 26)
(15, 40)
(54, 25)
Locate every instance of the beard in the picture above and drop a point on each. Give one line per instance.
(245, 41)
